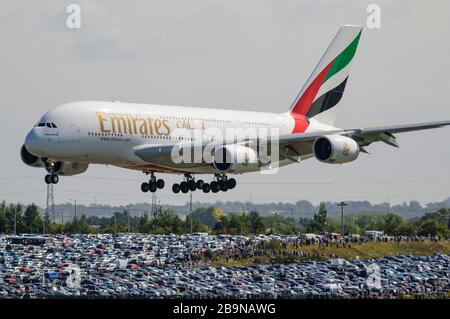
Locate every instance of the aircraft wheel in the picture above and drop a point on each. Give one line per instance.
(176, 188)
(153, 187)
(192, 185)
(184, 187)
(223, 186)
(48, 179)
(231, 183)
(54, 179)
(160, 183)
(206, 188)
(145, 187)
(214, 187)
(200, 184)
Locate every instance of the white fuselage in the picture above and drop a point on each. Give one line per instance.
(109, 132)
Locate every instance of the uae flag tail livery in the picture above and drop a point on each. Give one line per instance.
(320, 96)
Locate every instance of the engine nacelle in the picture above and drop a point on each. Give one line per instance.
(335, 149)
(30, 159)
(67, 168)
(235, 159)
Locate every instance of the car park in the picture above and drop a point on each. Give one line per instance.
(161, 266)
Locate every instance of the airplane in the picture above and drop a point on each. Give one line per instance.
(70, 137)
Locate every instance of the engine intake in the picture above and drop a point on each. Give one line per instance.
(335, 149)
(235, 158)
(30, 159)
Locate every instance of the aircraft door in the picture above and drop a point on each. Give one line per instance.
(75, 133)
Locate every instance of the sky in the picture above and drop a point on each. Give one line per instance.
(251, 55)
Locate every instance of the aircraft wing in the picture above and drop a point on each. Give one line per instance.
(295, 146)
(385, 134)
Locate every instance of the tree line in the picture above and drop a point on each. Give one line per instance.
(15, 218)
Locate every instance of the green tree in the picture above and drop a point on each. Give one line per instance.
(235, 224)
(222, 227)
(78, 225)
(407, 229)
(197, 226)
(145, 224)
(319, 223)
(433, 228)
(3, 218)
(209, 216)
(32, 219)
(256, 223)
(167, 221)
(245, 222)
(391, 224)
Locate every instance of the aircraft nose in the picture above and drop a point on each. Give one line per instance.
(32, 142)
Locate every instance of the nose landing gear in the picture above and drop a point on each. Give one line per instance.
(51, 178)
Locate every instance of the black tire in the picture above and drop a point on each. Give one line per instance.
(192, 185)
(231, 183)
(153, 187)
(206, 188)
(223, 185)
(200, 184)
(176, 188)
(145, 187)
(47, 179)
(184, 187)
(54, 179)
(160, 183)
(214, 187)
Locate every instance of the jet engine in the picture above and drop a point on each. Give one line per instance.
(335, 149)
(67, 168)
(235, 159)
(30, 159)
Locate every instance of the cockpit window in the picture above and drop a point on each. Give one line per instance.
(48, 125)
(53, 125)
(41, 124)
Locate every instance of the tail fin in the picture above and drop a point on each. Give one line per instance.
(325, 86)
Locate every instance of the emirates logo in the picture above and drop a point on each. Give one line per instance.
(346, 149)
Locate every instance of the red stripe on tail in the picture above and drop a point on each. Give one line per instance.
(304, 103)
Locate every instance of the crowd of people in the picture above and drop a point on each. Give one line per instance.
(291, 246)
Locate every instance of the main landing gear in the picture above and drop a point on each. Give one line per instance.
(189, 184)
(51, 178)
(222, 183)
(153, 185)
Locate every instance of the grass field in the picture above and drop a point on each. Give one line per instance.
(362, 251)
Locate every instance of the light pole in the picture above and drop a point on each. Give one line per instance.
(15, 222)
(75, 215)
(128, 215)
(115, 224)
(190, 208)
(342, 204)
(75, 206)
